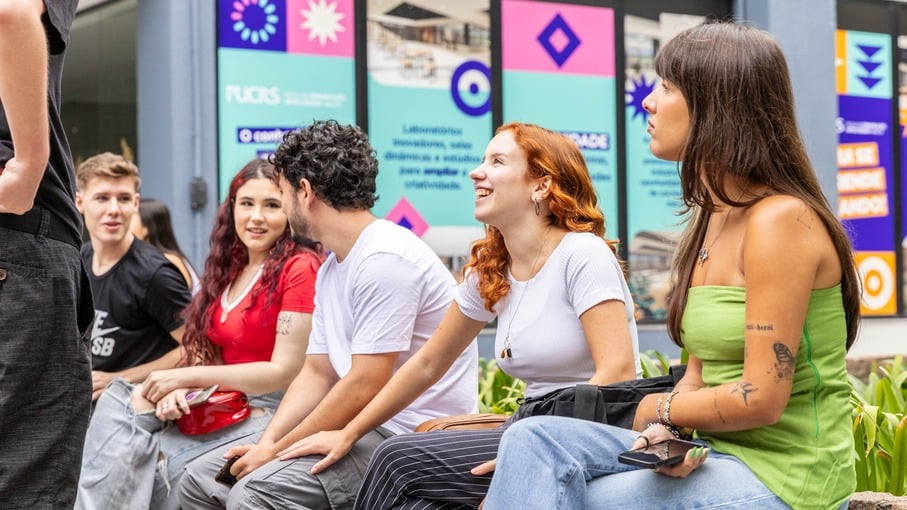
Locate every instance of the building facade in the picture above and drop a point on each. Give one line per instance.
(194, 88)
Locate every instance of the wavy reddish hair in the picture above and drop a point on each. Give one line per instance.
(571, 199)
(227, 258)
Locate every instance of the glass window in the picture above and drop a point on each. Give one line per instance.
(99, 82)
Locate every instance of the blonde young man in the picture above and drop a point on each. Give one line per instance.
(138, 294)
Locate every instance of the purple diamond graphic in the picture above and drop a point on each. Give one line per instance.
(559, 25)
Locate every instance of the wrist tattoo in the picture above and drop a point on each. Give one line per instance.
(785, 362)
(744, 389)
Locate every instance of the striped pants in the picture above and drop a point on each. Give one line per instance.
(429, 471)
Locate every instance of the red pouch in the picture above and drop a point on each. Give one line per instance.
(222, 409)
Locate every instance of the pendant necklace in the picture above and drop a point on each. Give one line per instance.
(227, 307)
(704, 251)
(506, 352)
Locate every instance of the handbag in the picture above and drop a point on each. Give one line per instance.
(220, 410)
(463, 422)
(614, 404)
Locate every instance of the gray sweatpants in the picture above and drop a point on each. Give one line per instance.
(280, 484)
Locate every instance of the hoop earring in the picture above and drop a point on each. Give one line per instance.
(538, 207)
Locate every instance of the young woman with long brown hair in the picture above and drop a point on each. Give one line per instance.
(766, 302)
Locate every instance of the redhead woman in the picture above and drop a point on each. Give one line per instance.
(247, 330)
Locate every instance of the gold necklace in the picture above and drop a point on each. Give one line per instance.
(704, 251)
(506, 352)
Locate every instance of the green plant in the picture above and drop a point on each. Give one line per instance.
(880, 428)
(654, 363)
(499, 393)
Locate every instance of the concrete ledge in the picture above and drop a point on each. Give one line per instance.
(877, 501)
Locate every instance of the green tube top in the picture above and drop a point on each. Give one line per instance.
(807, 458)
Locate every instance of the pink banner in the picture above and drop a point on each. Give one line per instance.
(320, 27)
(557, 38)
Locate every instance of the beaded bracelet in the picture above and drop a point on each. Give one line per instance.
(666, 418)
(673, 430)
(658, 407)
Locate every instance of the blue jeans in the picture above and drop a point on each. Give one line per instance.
(549, 463)
(136, 461)
(45, 370)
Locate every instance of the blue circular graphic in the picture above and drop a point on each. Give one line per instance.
(473, 88)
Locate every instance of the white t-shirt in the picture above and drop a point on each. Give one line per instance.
(388, 295)
(548, 347)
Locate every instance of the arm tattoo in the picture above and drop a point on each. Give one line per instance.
(283, 324)
(744, 389)
(784, 362)
(715, 400)
(760, 327)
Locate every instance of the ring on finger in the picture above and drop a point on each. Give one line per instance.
(644, 438)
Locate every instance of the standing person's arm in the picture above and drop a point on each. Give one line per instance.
(23, 93)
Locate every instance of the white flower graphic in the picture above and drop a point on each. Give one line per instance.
(322, 21)
(265, 19)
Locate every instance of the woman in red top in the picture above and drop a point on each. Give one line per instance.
(247, 330)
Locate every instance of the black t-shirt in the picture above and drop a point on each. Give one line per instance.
(57, 190)
(137, 303)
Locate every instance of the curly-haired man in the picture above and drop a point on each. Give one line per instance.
(379, 296)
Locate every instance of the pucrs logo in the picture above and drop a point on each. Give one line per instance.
(252, 94)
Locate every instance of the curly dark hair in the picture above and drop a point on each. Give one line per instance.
(336, 159)
(227, 258)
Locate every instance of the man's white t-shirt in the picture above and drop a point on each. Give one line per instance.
(548, 347)
(388, 295)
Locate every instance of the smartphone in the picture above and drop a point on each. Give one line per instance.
(224, 476)
(194, 398)
(663, 453)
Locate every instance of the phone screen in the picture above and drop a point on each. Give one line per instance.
(195, 398)
(663, 453)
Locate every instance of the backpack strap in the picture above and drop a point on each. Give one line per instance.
(585, 402)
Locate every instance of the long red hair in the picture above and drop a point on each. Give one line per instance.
(572, 203)
(227, 258)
